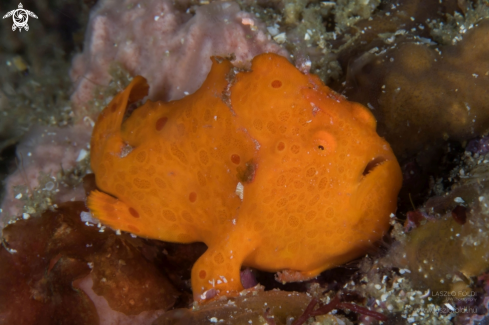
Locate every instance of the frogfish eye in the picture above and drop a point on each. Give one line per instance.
(325, 143)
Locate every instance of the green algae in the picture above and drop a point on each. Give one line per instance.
(452, 30)
(120, 79)
(314, 31)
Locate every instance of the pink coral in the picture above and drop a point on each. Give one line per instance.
(168, 47)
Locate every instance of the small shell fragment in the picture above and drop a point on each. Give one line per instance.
(240, 190)
(82, 155)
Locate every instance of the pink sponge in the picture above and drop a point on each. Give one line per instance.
(170, 48)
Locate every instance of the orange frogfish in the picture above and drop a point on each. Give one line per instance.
(268, 167)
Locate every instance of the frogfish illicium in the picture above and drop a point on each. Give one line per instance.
(268, 167)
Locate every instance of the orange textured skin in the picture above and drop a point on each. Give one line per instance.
(318, 183)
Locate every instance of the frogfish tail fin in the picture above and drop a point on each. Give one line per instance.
(113, 212)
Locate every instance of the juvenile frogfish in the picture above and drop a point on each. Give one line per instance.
(268, 167)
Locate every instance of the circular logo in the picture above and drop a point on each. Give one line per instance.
(20, 18)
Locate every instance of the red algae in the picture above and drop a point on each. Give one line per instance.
(41, 258)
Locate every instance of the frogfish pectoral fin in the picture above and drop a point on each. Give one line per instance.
(217, 271)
